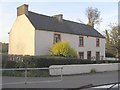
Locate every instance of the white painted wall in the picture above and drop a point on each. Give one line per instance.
(89, 44)
(44, 39)
(78, 69)
(21, 38)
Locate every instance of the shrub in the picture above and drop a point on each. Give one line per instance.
(108, 54)
(92, 70)
(4, 47)
(6, 63)
(63, 49)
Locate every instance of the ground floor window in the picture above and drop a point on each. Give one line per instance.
(81, 55)
(89, 55)
(97, 55)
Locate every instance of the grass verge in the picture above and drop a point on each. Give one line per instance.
(30, 73)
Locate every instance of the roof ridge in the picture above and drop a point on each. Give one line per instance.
(40, 14)
(53, 17)
(75, 22)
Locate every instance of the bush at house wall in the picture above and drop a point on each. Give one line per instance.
(63, 49)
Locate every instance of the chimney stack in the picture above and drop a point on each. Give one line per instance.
(59, 17)
(23, 9)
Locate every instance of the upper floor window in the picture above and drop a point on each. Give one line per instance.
(81, 41)
(97, 42)
(57, 38)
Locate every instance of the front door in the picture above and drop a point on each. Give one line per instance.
(97, 55)
(89, 55)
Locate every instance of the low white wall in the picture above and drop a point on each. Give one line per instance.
(78, 69)
(108, 58)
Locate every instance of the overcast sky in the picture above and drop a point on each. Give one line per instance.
(70, 10)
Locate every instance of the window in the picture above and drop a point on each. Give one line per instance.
(97, 55)
(81, 55)
(89, 55)
(57, 38)
(81, 41)
(97, 42)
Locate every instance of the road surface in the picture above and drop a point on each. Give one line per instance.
(73, 81)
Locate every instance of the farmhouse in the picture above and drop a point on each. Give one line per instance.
(33, 34)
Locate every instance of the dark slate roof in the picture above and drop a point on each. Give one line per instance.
(47, 23)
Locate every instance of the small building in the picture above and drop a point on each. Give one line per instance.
(33, 33)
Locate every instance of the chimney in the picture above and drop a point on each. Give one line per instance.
(59, 17)
(23, 9)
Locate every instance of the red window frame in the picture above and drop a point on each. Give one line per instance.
(90, 54)
(98, 42)
(99, 54)
(82, 41)
(83, 54)
(54, 37)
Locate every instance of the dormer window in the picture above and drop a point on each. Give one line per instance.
(97, 42)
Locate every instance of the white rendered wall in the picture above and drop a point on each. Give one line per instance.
(89, 44)
(21, 38)
(44, 40)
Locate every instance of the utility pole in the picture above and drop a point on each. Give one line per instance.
(118, 43)
(119, 30)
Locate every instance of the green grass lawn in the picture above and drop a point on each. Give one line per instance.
(31, 73)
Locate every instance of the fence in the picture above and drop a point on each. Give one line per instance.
(26, 76)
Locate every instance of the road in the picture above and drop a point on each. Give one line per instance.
(73, 81)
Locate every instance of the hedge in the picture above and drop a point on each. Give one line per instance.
(108, 54)
(38, 62)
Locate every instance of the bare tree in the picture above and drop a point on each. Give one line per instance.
(93, 16)
(112, 45)
(107, 45)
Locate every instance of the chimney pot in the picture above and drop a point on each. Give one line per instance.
(23, 9)
(58, 17)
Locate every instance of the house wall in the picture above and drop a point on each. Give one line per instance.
(44, 40)
(21, 37)
(89, 44)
